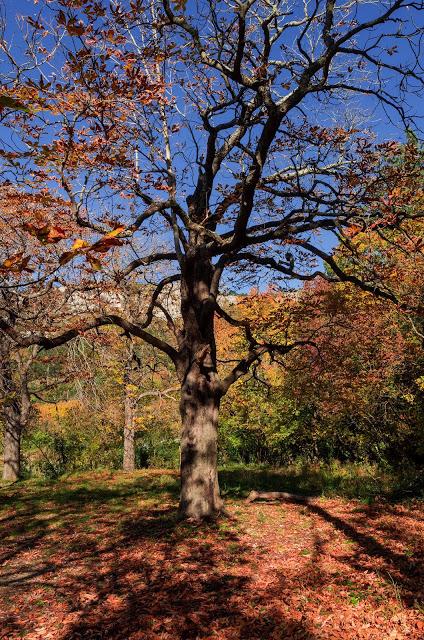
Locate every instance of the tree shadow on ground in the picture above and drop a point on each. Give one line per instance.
(185, 586)
(38, 508)
(114, 562)
(407, 572)
(162, 579)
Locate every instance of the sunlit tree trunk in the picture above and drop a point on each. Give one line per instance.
(16, 411)
(11, 447)
(128, 463)
(129, 432)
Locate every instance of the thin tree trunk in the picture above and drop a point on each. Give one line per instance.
(11, 446)
(200, 497)
(15, 411)
(129, 434)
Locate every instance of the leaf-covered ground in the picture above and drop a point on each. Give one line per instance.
(103, 556)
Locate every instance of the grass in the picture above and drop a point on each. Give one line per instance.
(103, 555)
(349, 480)
(363, 481)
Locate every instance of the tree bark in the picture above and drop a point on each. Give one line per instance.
(201, 390)
(129, 434)
(200, 496)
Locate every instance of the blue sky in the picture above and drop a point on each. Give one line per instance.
(378, 121)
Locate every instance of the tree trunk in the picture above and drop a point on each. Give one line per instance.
(199, 408)
(12, 447)
(201, 390)
(15, 411)
(129, 434)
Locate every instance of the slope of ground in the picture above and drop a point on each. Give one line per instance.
(103, 556)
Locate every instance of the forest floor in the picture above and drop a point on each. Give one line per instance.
(102, 555)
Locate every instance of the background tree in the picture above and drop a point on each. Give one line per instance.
(235, 177)
(140, 376)
(15, 404)
(23, 216)
(26, 376)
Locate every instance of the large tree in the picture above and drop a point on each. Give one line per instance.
(222, 143)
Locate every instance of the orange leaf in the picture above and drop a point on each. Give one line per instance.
(180, 4)
(16, 263)
(75, 29)
(56, 234)
(13, 260)
(103, 245)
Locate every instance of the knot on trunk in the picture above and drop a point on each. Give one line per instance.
(203, 358)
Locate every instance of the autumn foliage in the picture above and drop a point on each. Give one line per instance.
(211, 260)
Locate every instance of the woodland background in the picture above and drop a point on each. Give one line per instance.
(347, 412)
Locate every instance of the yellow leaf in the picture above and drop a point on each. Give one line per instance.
(79, 244)
(420, 382)
(115, 232)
